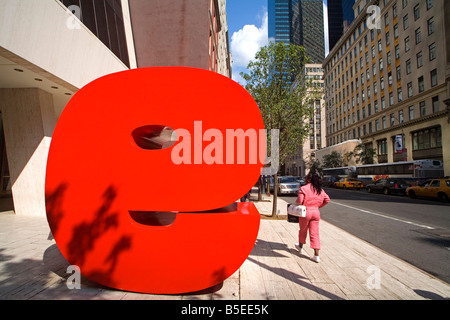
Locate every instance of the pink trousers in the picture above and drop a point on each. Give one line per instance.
(311, 223)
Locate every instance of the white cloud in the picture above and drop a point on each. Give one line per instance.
(246, 42)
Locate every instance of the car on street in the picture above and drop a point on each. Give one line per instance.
(349, 183)
(435, 188)
(286, 185)
(300, 180)
(329, 181)
(388, 186)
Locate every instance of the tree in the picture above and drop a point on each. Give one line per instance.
(314, 166)
(363, 154)
(333, 160)
(281, 96)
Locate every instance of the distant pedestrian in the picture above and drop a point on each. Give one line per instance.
(313, 197)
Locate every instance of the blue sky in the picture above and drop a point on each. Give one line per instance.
(247, 29)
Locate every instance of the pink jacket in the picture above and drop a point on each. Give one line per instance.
(309, 198)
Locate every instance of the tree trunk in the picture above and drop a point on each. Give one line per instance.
(259, 188)
(275, 194)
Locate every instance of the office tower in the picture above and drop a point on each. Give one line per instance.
(391, 82)
(47, 54)
(340, 16)
(299, 22)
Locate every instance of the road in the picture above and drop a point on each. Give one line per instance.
(414, 230)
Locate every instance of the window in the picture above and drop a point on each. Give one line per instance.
(416, 12)
(396, 31)
(405, 3)
(435, 103)
(427, 138)
(381, 64)
(434, 79)
(429, 4)
(391, 99)
(394, 10)
(383, 122)
(400, 116)
(410, 90)
(407, 47)
(431, 26)
(379, 46)
(382, 147)
(408, 66)
(432, 49)
(390, 78)
(383, 104)
(419, 60)
(399, 94)
(377, 125)
(388, 58)
(411, 113)
(386, 19)
(399, 73)
(388, 40)
(418, 36)
(375, 107)
(105, 20)
(397, 52)
(382, 83)
(423, 110)
(392, 119)
(405, 22)
(421, 84)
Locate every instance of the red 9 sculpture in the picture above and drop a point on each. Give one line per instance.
(142, 176)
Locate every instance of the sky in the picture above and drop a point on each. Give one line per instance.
(248, 32)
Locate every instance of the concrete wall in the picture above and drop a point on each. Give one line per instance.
(28, 120)
(35, 37)
(171, 32)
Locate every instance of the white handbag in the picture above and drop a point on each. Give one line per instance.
(297, 210)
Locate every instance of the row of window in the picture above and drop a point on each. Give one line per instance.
(363, 26)
(408, 114)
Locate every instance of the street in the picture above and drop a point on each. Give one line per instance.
(414, 230)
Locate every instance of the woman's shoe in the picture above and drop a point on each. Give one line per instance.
(300, 249)
(316, 259)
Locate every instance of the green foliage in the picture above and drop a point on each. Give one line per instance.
(333, 160)
(363, 154)
(275, 82)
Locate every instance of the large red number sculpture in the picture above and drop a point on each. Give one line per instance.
(113, 189)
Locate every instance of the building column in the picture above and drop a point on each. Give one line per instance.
(29, 119)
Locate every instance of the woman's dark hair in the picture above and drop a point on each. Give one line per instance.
(316, 182)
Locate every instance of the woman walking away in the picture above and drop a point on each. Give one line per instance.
(313, 197)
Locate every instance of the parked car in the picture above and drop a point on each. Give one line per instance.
(300, 180)
(436, 188)
(349, 183)
(388, 186)
(286, 185)
(329, 181)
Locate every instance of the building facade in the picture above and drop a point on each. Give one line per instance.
(392, 79)
(49, 49)
(296, 165)
(299, 22)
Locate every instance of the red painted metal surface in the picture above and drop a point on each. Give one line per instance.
(109, 194)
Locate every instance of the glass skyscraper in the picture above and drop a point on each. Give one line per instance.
(299, 22)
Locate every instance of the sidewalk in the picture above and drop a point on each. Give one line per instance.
(31, 267)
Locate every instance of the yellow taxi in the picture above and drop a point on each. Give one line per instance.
(349, 183)
(435, 188)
